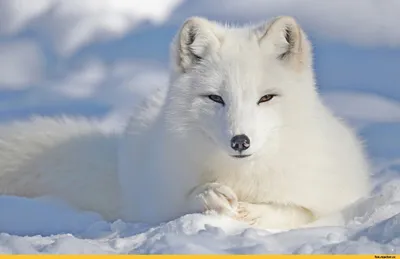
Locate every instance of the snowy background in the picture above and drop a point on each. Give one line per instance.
(97, 58)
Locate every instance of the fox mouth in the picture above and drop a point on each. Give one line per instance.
(240, 156)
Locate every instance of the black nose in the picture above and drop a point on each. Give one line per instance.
(240, 142)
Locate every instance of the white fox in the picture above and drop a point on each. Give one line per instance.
(241, 131)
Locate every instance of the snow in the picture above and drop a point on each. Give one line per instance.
(372, 226)
(45, 225)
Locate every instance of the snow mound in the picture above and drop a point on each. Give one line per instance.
(48, 226)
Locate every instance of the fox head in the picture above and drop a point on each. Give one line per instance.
(238, 87)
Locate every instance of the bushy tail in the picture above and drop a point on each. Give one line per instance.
(67, 158)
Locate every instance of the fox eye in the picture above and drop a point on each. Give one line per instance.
(216, 98)
(266, 98)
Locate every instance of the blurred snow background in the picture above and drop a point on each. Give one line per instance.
(98, 58)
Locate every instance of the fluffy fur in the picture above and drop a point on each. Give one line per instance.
(176, 156)
(70, 159)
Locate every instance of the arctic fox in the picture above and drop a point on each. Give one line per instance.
(241, 131)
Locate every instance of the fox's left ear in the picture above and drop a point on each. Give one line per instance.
(287, 40)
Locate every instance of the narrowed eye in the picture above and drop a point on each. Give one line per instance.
(216, 98)
(266, 98)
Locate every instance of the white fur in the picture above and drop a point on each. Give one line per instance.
(70, 159)
(175, 156)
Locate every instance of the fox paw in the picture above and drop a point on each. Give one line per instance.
(215, 197)
(246, 214)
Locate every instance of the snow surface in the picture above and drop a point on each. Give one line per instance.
(44, 225)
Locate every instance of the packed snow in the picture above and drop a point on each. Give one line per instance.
(372, 226)
(45, 225)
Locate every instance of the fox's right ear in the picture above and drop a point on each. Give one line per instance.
(196, 39)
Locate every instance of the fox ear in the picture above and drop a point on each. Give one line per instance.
(196, 38)
(287, 40)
